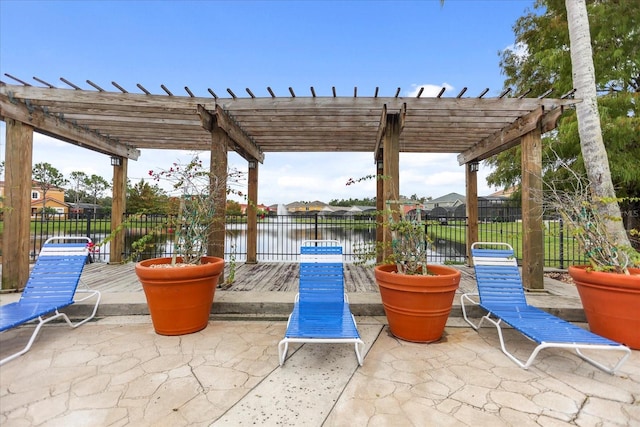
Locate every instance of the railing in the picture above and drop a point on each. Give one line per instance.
(279, 236)
(449, 236)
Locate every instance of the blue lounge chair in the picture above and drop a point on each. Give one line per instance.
(52, 284)
(502, 296)
(321, 311)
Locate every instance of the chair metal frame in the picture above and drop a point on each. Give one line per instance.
(501, 294)
(321, 312)
(52, 285)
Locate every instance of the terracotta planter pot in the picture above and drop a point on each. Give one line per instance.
(611, 303)
(417, 307)
(179, 298)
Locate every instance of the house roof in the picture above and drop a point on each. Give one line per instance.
(451, 197)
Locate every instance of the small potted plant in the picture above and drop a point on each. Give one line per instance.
(417, 297)
(180, 289)
(609, 286)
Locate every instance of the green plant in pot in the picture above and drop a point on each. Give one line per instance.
(417, 296)
(609, 286)
(180, 289)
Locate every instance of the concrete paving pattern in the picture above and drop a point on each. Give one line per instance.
(117, 372)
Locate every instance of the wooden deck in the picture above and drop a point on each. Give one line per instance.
(267, 276)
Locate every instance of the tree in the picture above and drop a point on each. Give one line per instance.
(78, 179)
(143, 197)
(367, 201)
(96, 185)
(47, 177)
(592, 145)
(541, 60)
(233, 208)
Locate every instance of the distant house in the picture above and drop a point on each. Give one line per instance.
(451, 200)
(54, 199)
(361, 210)
(493, 208)
(333, 210)
(263, 208)
(302, 208)
(85, 210)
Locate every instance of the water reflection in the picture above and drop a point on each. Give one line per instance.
(279, 239)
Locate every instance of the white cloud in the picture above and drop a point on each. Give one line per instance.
(520, 50)
(429, 90)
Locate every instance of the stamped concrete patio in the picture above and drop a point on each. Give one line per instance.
(116, 371)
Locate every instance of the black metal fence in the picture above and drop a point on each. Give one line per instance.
(280, 236)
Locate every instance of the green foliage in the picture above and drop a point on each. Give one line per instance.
(144, 197)
(192, 214)
(542, 59)
(368, 201)
(96, 186)
(543, 62)
(78, 192)
(231, 277)
(233, 208)
(409, 247)
(580, 209)
(47, 177)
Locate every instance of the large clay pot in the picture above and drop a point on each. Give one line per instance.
(417, 307)
(179, 298)
(611, 303)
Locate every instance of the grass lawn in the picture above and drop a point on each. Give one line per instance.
(555, 246)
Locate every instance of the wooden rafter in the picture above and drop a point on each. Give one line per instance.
(64, 129)
(259, 125)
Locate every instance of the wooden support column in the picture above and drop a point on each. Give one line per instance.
(252, 214)
(218, 168)
(379, 207)
(118, 208)
(533, 237)
(16, 208)
(391, 169)
(472, 206)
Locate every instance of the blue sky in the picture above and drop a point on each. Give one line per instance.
(220, 45)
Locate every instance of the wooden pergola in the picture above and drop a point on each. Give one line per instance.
(120, 123)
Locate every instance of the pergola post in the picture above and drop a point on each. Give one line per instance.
(391, 171)
(471, 172)
(118, 208)
(16, 209)
(218, 168)
(533, 237)
(252, 213)
(379, 206)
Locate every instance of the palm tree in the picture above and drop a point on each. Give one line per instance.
(592, 145)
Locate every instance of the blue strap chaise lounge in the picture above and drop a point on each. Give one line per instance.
(52, 284)
(502, 296)
(321, 312)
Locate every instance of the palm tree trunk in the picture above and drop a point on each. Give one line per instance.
(592, 145)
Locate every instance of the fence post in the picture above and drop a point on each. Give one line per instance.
(88, 226)
(561, 248)
(316, 226)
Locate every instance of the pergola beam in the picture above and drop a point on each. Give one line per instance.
(382, 125)
(277, 124)
(244, 146)
(503, 139)
(512, 134)
(62, 129)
